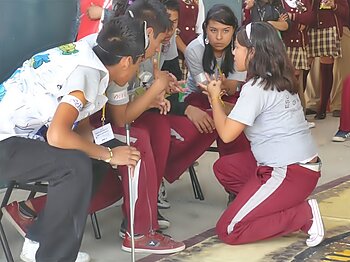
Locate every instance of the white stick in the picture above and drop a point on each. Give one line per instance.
(131, 199)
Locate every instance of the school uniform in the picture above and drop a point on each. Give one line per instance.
(326, 31)
(28, 101)
(193, 55)
(295, 39)
(187, 20)
(271, 184)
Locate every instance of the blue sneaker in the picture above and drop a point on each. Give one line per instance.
(341, 136)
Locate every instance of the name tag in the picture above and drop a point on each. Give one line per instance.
(103, 134)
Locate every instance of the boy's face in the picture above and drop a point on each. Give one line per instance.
(174, 18)
(124, 71)
(154, 45)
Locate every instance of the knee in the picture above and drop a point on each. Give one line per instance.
(219, 169)
(80, 165)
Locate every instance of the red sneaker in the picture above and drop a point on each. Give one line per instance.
(20, 222)
(153, 242)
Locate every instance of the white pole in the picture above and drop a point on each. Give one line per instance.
(131, 199)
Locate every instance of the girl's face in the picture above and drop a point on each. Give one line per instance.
(219, 35)
(240, 55)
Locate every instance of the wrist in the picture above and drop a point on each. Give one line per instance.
(108, 160)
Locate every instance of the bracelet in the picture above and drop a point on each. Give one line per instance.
(221, 101)
(110, 155)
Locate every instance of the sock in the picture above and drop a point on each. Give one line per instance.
(326, 86)
(305, 74)
(26, 211)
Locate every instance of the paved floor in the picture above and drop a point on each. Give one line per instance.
(190, 217)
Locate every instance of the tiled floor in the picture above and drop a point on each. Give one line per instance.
(189, 216)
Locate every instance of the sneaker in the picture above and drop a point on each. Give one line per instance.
(17, 219)
(316, 230)
(336, 113)
(311, 124)
(341, 136)
(30, 247)
(163, 222)
(153, 242)
(122, 229)
(162, 197)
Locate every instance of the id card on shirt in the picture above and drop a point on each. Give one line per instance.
(103, 134)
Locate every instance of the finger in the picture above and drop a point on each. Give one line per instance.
(204, 127)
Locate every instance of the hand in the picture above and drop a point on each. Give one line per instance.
(163, 78)
(125, 155)
(203, 122)
(162, 104)
(94, 12)
(330, 3)
(249, 4)
(284, 17)
(175, 86)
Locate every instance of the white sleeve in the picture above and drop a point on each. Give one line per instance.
(194, 58)
(200, 17)
(117, 95)
(84, 79)
(249, 104)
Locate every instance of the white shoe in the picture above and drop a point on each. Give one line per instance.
(162, 197)
(311, 124)
(316, 230)
(30, 247)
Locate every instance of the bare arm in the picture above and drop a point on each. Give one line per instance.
(60, 134)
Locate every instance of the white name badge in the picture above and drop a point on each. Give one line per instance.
(103, 134)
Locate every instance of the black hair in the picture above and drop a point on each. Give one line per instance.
(172, 5)
(154, 13)
(121, 36)
(224, 15)
(270, 61)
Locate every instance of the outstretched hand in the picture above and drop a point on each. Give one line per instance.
(213, 88)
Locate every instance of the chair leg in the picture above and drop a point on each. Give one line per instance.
(5, 245)
(95, 225)
(197, 190)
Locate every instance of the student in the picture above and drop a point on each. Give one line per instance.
(158, 23)
(274, 183)
(325, 34)
(211, 53)
(270, 11)
(123, 111)
(50, 97)
(344, 128)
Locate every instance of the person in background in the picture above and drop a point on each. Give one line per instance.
(325, 35)
(344, 128)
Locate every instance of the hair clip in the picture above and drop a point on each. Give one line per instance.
(248, 30)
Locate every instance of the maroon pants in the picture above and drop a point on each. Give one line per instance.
(270, 201)
(146, 204)
(345, 106)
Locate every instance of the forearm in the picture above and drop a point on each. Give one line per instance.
(72, 140)
(143, 102)
(219, 117)
(230, 86)
(279, 25)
